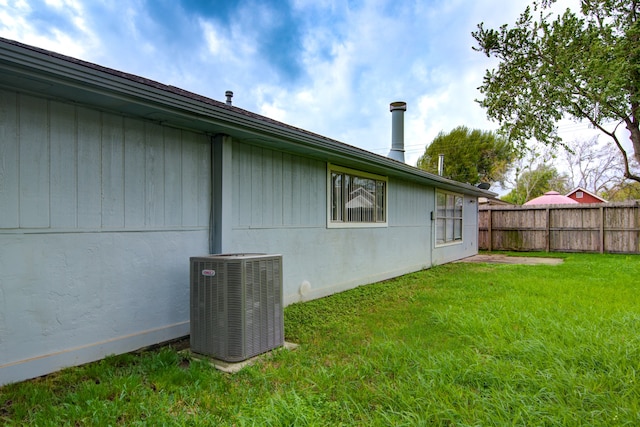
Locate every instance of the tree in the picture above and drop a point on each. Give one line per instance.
(471, 156)
(624, 191)
(594, 167)
(534, 174)
(584, 66)
(532, 183)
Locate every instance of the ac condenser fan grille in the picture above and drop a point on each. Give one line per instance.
(236, 305)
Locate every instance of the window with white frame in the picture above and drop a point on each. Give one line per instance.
(448, 218)
(356, 199)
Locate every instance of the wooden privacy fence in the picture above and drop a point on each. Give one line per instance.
(602, 227)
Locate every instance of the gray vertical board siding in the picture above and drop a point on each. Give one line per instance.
(89, 168)
(287, 190)
(112, 171)
(34, 162)
(297, 186)
(9, 157)
(134, 194)
(195, 179)
(190, 172)
(62, 134)
(204, 181)
(242, 184)
(408, 203)
(266, 187)
(275, 189)
(64, 166)
(173, 176)
(256, 191)
(67, 173)
(288, 217)
(154, 179)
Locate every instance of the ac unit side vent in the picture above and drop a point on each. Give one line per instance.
(236, 305)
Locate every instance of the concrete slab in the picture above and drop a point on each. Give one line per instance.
(233, 367)
(506, 259)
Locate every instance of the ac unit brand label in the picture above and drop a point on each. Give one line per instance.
(209, 273)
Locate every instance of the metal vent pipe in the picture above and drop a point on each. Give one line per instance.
(229, 95)
(440, 164)
(397, 130)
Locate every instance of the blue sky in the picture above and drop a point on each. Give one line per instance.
(328, 66)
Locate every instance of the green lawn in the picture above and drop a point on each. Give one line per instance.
(459, 344)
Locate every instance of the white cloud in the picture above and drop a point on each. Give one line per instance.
(215, 43)
(355, 59)
(15, 24)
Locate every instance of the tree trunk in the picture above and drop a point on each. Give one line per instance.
(632, 125)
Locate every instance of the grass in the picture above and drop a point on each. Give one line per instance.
(459, 344)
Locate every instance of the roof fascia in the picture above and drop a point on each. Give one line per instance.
(59, 69)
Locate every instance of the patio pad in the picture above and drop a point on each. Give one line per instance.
(505, 259)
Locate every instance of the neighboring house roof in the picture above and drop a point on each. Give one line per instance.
(43, 73)
(551, 198)
(579, 193)
(485, 201)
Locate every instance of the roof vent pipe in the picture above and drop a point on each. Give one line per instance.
(397, 130)
(229, 95)
(440, 164)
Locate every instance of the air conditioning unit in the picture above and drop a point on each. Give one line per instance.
(236, 305)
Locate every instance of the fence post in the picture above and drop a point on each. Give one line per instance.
(489, 242)
(548, 246)
(601, 229)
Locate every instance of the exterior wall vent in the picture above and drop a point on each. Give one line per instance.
(236, 305)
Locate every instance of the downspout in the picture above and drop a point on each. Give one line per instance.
(220, 228)
(212, 195)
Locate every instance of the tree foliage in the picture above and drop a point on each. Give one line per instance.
(623, 191)
(584, 65)
(532, 183)
(471, 156)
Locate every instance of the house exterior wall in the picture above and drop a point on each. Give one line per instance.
(469, 244)
(98, 216)
(99, 213)
(280, 206)
(586, 197)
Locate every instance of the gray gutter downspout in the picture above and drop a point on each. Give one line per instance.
(212, 194)
(221, 199)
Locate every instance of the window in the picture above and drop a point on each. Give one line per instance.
(579, 194)
(448, 218)
(356, 199)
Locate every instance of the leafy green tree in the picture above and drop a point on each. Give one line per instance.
(532, 183)
(472, 156)
(623, 191)
(583, 65)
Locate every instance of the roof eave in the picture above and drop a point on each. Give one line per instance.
(170, 103)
